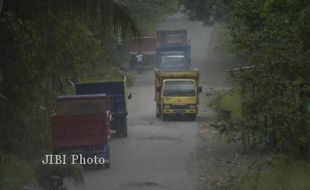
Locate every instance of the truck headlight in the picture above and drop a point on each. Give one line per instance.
(166, 106)
(192, 107)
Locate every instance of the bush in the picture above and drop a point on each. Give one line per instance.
(227, 105)
(228, 101)
(15, 173)
(282, 176)
(74, 172)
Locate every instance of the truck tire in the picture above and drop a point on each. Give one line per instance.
(157, 111)
(107, 165)
(124, 127)
(192, 117)
(119, 132)
(121, 127)
(164, 117)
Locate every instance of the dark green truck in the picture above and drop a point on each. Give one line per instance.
(116, 88)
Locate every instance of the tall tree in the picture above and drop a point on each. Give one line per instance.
(208, 11)
(273, 35)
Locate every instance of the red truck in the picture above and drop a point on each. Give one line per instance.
(81, 126)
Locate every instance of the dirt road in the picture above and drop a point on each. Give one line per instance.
(156, 154)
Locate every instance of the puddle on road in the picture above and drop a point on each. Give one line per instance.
(142, 185)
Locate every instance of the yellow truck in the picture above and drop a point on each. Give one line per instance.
(177, 93)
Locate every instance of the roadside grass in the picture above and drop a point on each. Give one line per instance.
(227, 101)
(281, 176)
(16, 173)
(227, 106)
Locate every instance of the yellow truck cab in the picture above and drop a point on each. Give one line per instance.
(177, 93)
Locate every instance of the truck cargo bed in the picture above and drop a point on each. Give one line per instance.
(161, 75)
(79, 130)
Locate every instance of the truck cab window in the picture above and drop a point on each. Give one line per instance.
(179, 88)
(172, 59)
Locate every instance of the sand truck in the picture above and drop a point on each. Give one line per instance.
(146, 44)
(173, 50)
(116, 88)
(177, 93)
(81, 126)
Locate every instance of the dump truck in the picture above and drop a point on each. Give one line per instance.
(177, 93)
(173, 50)
(116, 88)
(81, 126)
(146, 43)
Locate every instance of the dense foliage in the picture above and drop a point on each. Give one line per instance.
(148, 14)
(45, 46)
(207, 11)
(272, 36)
(281, 175)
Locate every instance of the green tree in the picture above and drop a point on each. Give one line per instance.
(272, 35)
(208, 11)
(148, 13)
(44, 45)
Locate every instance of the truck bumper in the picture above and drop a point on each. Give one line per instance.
(180, 111)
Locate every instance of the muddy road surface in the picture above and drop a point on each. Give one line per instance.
(157, 154)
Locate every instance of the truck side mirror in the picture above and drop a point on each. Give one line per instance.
(199, 89)
(129, 96)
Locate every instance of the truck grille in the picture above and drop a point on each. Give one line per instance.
(178, 106)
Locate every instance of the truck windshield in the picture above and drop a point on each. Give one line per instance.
(179, 88)
(175, 38)
(172, 58)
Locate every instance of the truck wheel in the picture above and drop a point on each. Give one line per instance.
(164, 117)
(121, 127)
(157, 111)
(107, 164)
(192, 117)
(124, 127)
(100, 166)
(119, 132)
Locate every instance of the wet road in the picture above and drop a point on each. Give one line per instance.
(156, 155)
